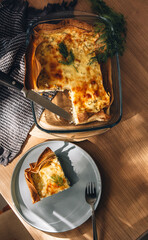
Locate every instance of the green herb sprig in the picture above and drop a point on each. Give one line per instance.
(115, 38)
(68, 56)
(57, 179)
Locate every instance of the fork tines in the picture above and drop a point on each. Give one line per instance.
(90, 188)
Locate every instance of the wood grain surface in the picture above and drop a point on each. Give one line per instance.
(121, 154)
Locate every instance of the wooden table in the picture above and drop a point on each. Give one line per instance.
(121, 154)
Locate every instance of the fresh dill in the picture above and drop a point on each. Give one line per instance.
(69, 60)
(68, 57)
(63, 50)
(57, 179)
(113, 32)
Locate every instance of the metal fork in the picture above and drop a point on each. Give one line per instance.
(90, 196)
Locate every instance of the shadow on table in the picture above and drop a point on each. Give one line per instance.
(144, 236)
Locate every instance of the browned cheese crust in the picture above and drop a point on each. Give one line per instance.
(46, 71)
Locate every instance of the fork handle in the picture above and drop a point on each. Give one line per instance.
(95, 237)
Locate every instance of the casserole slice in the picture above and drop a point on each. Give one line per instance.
(46, 176)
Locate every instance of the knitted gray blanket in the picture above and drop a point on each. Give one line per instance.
(16, 117)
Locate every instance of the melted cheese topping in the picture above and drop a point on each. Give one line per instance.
(82, 79)
(50, 179)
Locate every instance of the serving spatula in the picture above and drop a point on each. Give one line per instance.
(33, 96)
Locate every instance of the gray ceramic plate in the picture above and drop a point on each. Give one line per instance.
(63, 211)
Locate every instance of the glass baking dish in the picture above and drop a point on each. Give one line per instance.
(59, 128)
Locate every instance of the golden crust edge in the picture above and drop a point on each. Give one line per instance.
(64, 23)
